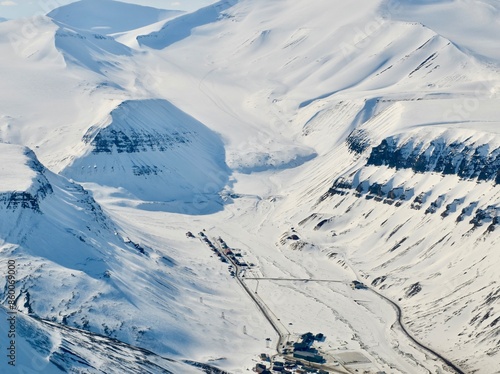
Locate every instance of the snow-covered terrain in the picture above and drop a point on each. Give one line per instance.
(108, 16)
(324, 141)
(45, 347)
(156, 152)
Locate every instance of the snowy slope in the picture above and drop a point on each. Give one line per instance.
(182, 27)
(479, 23)
(76, 267)
(417, 215)
(50, 348)
(346, 89)
(108, 16)
(155, 152)
(330, 140)
(87, 30)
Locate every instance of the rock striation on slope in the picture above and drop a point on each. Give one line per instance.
(466, 159)
(73, 263)
(155, 152)
(16, 193)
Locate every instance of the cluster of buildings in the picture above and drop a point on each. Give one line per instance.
(224, 252)
(304, 349)
(287, 367)
(210, 245)
(234, 256)
(304, 355)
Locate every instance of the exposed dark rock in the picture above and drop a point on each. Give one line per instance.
(452, 207)
(488, 215)
(108, 140)
(413, 289)
(206, 368)
(321, 224)
(376, 189)
(398, 244)
(29, 199)
(435, 205)
(340, 187)
(146, 170)
(468, 161)
(358, 141)
(419, 200)
(378, 281)
(467, 211)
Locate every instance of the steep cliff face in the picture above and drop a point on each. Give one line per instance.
(466, 159)
(57, 234)
(393, 167)
(109, 140)
(22, 188)
(155, 152)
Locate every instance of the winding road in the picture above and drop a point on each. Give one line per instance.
(399, 314)
(282, 336)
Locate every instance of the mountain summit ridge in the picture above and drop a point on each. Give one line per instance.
(321, 142)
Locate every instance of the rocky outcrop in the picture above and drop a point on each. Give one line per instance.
(358, 141)
(467, 160)
(109, 140)
(154, 151)
(39, 188)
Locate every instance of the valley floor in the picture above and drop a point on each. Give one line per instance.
(303, 290)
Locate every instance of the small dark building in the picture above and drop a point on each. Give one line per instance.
(300, 346)
(319, 337)
(358, 285)
(260, 368)
(308, 338)
(309, 356)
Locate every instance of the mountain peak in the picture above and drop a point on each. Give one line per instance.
(23, 182)
(108, 16)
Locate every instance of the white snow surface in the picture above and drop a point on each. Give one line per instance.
(108, 16)
(15, 173)
(325, 140)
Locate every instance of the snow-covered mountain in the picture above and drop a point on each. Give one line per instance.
(325, 140)
(108, 16)
(154, 151)
(43, 346)
(75, 267)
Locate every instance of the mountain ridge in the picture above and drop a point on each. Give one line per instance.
(333, 141)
